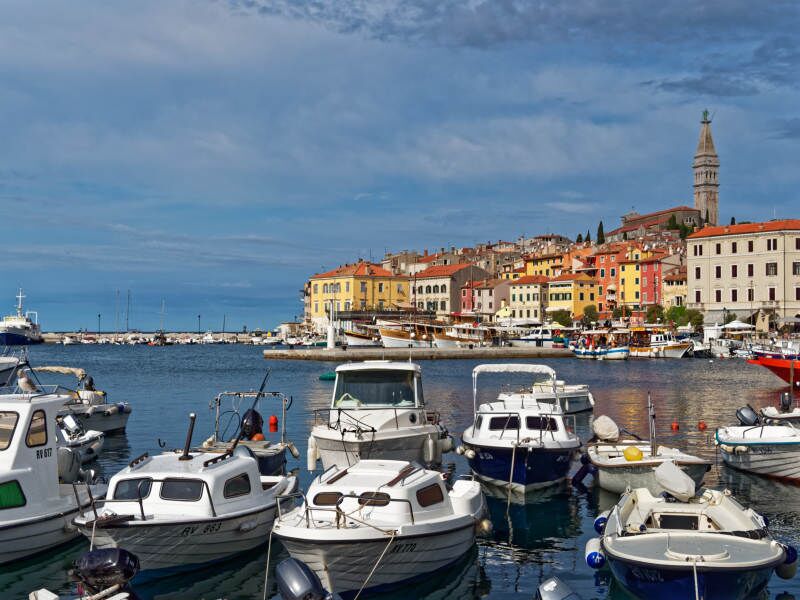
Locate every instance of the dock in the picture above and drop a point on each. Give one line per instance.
(377, 353)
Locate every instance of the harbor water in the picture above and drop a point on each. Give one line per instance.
(530, 542)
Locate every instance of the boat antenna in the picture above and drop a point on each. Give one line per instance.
(652, 418)
(186, 455)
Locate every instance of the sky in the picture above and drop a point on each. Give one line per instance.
(214, 154)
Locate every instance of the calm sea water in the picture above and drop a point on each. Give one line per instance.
(530, 542)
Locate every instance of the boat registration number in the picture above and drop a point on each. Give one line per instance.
(44, 453)
(403, 548)
(201, 530)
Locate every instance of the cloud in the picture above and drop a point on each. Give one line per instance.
(788, 129)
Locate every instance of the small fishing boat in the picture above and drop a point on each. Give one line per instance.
(602, 345)
(760, 448)
(86, 443)
(573, 398)
(786, 369)
(37, 509)
(241, 411)
(379, 524)
(462, 335)
(519, 442)
(657, 342)
(679, 545)
(783, 413)
(540, 337)
(377, 411)
(22, 328)
(182, 509)
(630, 463)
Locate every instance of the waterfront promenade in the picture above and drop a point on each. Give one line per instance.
(355, 354)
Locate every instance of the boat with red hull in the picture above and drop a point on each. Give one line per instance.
(788, 370)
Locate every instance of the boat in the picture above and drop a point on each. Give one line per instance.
(409, 335)
(629, 463)
(355, 339)
(90, 406)
(788, 370)
(183, 509)
(541, 337)
(758, 447)
(657, 342)
(37, 509)
(86, 443)
(102, 574)
(377, 411)
(462, 335)
(783, 413)
(573, 398)
(8, 368)
(242, 411)
(602, 344)
(520, 442)
(682, 545)
(380, 524)
(21, 328)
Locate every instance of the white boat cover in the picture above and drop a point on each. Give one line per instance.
(77, 372)
(514, 368)
(771, 411)
(605, 429)
(675, 481)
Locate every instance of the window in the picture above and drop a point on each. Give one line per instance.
(580, 296)
(797, 243)
(442, 305)
(750, 294)
(430, 495)
(541, 423)
(363, 287)
(636, 281)
(750, 246)
(374, 499)
(636, 296)
(772, 294)
(346, 286)
(380, 287)
(718, 295)
(316, 288)
(797, 293)
(734, 271)
(501, 423)
(697, 272)
(733, 247)
(436, 289)
(427, 289)
(8, 424)
(637, 266)
(772, 269)
(316, 307)
(734, 295)
(613, 272)
(237, 486)
(327, 498)
(325, 288)
(718, 272)
(399, 288)
(11, 495)
(444, 289)
(772, 244)
(37, 430)
(186, 490)
(697, 296)
(750, 270)
(796, 268)
(718, 248)
(128, 489)
(602, 272)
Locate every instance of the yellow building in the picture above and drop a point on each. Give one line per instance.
(572, 292)
(549, 265)
(359, 286)
(630, 287)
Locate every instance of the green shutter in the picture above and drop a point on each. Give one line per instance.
(11, 495)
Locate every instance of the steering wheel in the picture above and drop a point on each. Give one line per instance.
(347, 396)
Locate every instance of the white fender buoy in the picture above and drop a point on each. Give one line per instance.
(788, 568)
(311, 454)
(600, 521)
(469, 453)
(460, 450)
(445, 445)
(429, 450)
(594, 554)
(741, 449)
(293, 449)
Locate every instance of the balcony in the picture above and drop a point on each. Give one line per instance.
(770, 304)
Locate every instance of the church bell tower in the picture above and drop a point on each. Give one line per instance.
(706, 174)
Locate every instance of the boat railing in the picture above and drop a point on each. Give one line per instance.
(363, 501)
(140, 499)
(236, 397)
(361, 425)
(41, 390)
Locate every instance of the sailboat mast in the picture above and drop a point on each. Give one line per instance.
(652, 418)
(128, 313)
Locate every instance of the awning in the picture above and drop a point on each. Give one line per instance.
(551, 309)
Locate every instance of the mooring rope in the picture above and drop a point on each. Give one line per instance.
(375, 566)
(266, 571)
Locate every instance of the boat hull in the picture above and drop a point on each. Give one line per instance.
(358, 341)
(779, 461)
(390, 341)
(343, 567)
(534, 468)
(21, 541)
(620, 353)
(667, 351)
(11, 338)
(618, 479)
(334, 450)
(782, 368)
(100, 417)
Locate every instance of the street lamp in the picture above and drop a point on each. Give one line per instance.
(98, 323)
(198, 325)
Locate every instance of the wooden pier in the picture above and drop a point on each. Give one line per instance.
(356, 354)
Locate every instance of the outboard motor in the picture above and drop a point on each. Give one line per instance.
(69, 465)
(555, 589)
(296, 581)
(252, 423)
(786, 402)
(747, 416)
(101, 569)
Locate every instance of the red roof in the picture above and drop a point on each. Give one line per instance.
(746, 228)
(676, 275)
(484, 283)
(442, 270)
(540, 279)
(359, 269)
(428, 258)
(572, 277)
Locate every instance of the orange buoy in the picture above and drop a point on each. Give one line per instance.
(702, 425)
(258, 437)
(675, 426)
(273, 423)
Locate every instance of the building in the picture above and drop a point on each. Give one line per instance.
(528, 298)
(548, 265)
(438, 288)
(673, 288)
(572, 292)
(483, 298)
(607, 262)
(706, 174)
(362, 286)
(652, 277)
(635, 226)
(748, 269)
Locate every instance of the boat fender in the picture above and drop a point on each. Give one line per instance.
(90, 411)
(483, 527)
(460, 450)
(469, 453)
(311, 454)
(111, 410)
(594, 554)
(445, 444)
(787, 569)
(293, 449)
(429, 450)
(248, 526)
(741, 449)
(600, 521)
(632, 454)
(209, 442)
(727, 448)
(121, 407)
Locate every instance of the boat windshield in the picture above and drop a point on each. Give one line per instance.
(374, 388)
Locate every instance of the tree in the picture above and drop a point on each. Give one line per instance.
(601, 235)
(673, 222)
(579, 239)
(588, 238)
(590, 314)
(706, 219)
(677, 315)
(684, 230)
(695, 318)
(621, 311)
(655, 313)
(562, 317)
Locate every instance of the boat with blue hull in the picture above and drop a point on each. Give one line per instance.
(22, 328)
(519, 442)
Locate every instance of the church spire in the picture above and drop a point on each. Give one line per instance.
(706, 174)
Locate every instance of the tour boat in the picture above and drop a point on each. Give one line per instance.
(462, 336)
(620, 464)
(183, 509)
(520, 441)
(679, 545)
(410, 335)
(763, 449)
(22, 328)
(602, 345)
(377, 411)
(248, 428)
(37, 510)
(86, 443)
(788, 370)
(356, 339)
(649, 342)
(380, 524)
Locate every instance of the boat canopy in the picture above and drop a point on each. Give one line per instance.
(509, 368)
(76, 371)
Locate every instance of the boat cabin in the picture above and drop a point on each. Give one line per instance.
(378, 384)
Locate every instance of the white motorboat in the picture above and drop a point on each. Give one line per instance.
(573, 398)
(86, 443)
(462, 335)
(684, 546)
(541, 337)
(519, 442)
(22, 328)
(763, 449)
(377, 411)
(183, 509)
(783, 413)
(630, 463)
(657, 342)
(379, 524)
(37, 510)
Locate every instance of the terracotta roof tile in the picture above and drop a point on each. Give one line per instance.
(529, 279)
(745, 228)
(442, 270)
(359, 269)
